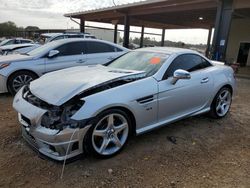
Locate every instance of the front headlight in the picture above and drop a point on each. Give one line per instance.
(4, 65)
(60, 117)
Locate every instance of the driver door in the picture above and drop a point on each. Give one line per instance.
(101, 53)
(185, 96)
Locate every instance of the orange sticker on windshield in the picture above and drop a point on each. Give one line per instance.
(155, 60)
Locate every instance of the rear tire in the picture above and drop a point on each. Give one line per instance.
(108, 134)
(17, 80)
(221, 103)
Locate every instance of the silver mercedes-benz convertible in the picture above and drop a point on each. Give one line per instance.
(94, 109)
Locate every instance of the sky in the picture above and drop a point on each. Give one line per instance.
(48, 14)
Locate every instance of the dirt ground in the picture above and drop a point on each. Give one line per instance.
(208, 153)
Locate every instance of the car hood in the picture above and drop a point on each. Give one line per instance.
(14, 57)
(13, 46)
(58, 87)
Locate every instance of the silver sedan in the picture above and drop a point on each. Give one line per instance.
(19, 69)
(94, 109)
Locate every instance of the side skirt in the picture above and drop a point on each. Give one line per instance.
(164, 123)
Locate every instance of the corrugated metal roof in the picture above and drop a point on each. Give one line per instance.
(169, 14)
(115, 7)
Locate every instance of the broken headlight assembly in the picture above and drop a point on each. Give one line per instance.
(59, 117)
(56, 117)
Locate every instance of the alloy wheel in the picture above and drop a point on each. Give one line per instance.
(223, 102)
(20, 81)
(110, 134)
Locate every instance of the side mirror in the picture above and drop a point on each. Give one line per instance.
(53, 53)
(180, 74)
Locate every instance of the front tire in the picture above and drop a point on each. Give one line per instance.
(221, 103)
(17, 80)
(108, 134)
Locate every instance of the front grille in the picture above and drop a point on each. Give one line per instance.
(26, 120)
(29, 138)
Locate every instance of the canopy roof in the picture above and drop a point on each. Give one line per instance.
(168, 14)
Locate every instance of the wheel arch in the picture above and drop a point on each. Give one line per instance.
(128, 112)
(87, 143)
(20, 70)
(218, 89)
(227, 86)
(212, 111)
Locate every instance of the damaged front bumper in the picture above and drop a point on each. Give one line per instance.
(53, 143)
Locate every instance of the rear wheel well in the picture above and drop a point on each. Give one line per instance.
(229, 87)
(214, 112)
(225, 86)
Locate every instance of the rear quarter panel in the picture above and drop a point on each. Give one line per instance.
(223, 75)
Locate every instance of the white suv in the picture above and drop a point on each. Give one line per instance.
(49, 37)
(15, 41)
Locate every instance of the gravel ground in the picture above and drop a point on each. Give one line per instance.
(207, 153)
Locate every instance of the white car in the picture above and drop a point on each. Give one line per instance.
(19, 69)
(25, 50)
(95, 108)
(15, 41)
(9, 49)
(49, 37)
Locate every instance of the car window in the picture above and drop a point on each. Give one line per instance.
(43, 49)
(25, 41)
(99, 47)
(10, 42)
(25, 49)
(18, 41)
(3, 42)
(118, 49)
(90, 37)
(75, 36)
(58, 38)
(188, 62)
(73, 48)
(150, 62)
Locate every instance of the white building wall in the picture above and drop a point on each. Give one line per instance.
(240, 32)
(102, 34)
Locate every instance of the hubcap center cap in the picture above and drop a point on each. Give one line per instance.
(110, 132)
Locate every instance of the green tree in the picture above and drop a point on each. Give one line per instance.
(8, 29)
(32, 28)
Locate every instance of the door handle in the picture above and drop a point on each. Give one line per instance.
(80, 61)
(204, 80)
(111, 58)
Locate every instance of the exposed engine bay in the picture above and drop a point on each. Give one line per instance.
(59, 117)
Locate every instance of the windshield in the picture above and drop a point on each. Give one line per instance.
(26, 49)
(4, 42)
(150, 62)
(43, 49)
